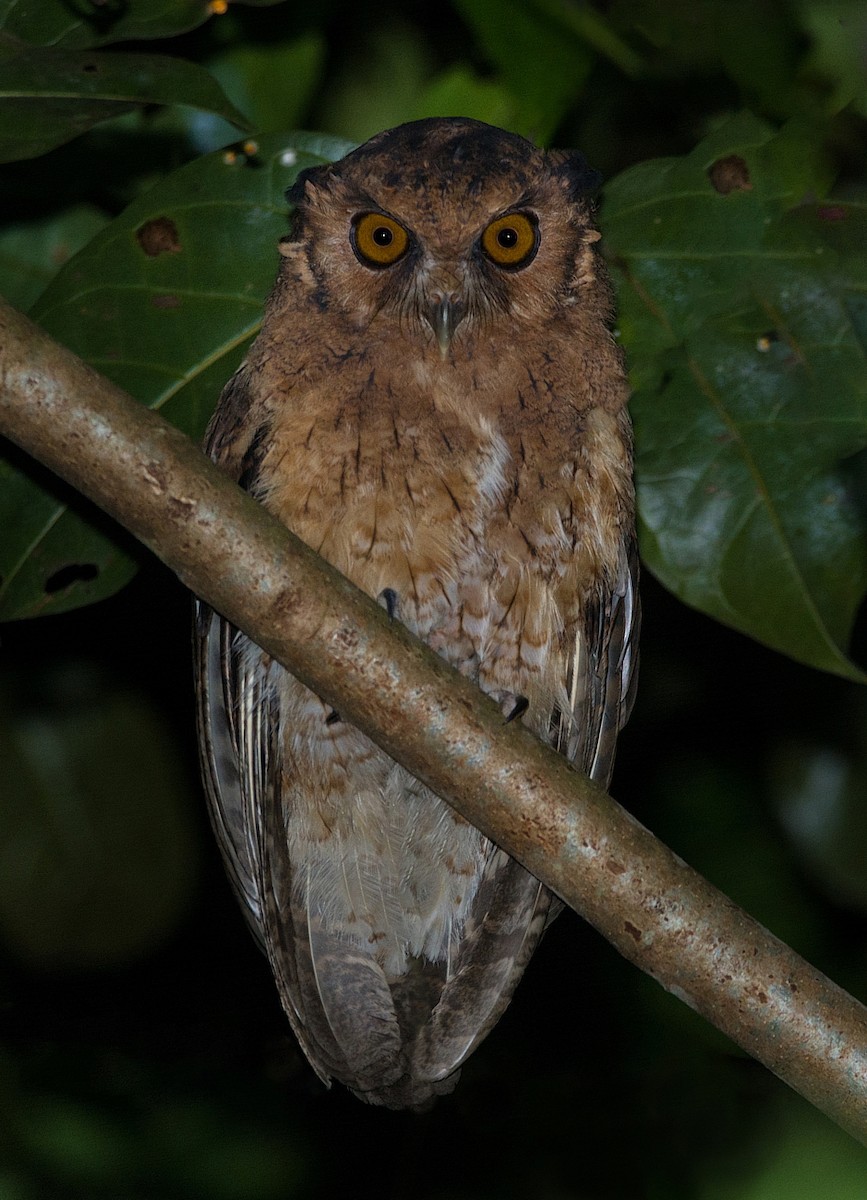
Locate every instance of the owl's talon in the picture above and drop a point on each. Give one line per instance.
(388, 597)
(520, 707)
(333, 717)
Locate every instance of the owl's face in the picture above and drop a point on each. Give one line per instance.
(449, 225)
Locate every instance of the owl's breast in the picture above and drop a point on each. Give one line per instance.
(485, 502)
(394, 487)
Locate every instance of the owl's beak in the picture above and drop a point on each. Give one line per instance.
(444, 314)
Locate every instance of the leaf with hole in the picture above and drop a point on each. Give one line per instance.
(164, 302)
(742, 311)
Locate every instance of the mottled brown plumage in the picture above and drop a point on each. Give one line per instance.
(436, 405)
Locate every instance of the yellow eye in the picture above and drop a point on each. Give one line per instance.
(511, 241)
(377, 240)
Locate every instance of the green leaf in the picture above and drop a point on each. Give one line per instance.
(75, 1142)
(58, 553)
(275, 82)
(587, 25)
(804, 1156)
(838, 33)
(544, 70)
(77, 26)
(460, 90)
(757, 45)
(92, 1121)
(164, 302)
(742, 312)
(32, 251)
(48, 97)
(377, 85)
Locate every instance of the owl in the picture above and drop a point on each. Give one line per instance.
(436, 405)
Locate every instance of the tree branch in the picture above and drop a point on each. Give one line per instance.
(655, 909)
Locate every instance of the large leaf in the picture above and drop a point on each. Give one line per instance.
(742, 308)
(79, 25)
(48, 97)
(164, 302)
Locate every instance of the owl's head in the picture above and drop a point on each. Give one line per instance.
(450, 225)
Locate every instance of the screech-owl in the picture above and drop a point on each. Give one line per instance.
(435, 403)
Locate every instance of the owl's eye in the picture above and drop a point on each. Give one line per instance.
(511, 241)
(378, 241)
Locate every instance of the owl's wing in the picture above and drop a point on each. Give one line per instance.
(507, 919)
(336, 998)
(348, 1021)
(603, 673)
(512, 908)
(233, 738)
(238, 737)
(397, 1042)
(233, 703)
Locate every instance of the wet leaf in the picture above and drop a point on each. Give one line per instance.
(742, 312)
(164, 303)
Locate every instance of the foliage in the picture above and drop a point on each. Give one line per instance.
(147, 147)
(740, 302)
(742, 307)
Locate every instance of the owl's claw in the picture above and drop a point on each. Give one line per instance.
(519, 708)
(333, 717)
(388, 597)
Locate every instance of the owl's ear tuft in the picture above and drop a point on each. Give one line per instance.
(315, 176)
(576, 175)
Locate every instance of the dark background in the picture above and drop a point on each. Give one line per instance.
(143, 1052)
